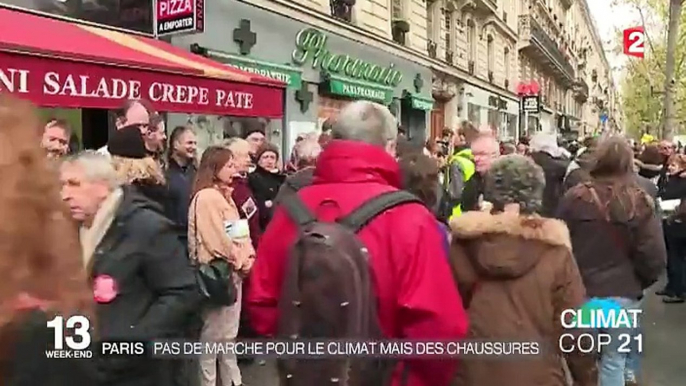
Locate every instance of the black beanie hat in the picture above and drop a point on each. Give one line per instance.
(127, 142)
(252, 127)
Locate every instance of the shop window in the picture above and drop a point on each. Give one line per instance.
(510, 125)
(133, 15)
(533, 125)
(474, 114)
(494, 120)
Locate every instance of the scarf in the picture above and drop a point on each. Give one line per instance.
(91, 236)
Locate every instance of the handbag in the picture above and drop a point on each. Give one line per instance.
(216, 278)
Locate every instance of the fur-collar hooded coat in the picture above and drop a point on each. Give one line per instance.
(516, 275)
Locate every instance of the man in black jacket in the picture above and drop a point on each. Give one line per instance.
(143, 284)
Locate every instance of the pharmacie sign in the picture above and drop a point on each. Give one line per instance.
(78, 85)
(311, 47)
(286, 74)
(179, 16)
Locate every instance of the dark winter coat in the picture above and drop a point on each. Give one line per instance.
(155, 286)
(265, 187)
(674, 188)
(295, 182)
(554, 170)
(619, 253)
(180, 183)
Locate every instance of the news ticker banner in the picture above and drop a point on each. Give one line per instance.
(599, 324)
(323, 349)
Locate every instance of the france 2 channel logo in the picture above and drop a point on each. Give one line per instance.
(634, 42)
(78, 343)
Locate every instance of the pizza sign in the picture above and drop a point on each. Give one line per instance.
(174, 17)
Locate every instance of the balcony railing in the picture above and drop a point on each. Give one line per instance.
(581, 90)
(483, 7)
(542, 43)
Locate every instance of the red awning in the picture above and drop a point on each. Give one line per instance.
(59, 64)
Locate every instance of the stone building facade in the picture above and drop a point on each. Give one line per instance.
(459, 60)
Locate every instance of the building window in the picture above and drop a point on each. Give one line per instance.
(506, 63)
(449, 25)
(510, 125)
(474, 114)
(494, 117)
(471, 40)
(448, 28)
(342, 9)
(490, 52)
(433, 26)
(397, 10)
(430, 6)
(399, 23)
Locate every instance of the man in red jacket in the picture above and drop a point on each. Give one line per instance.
(417, 296)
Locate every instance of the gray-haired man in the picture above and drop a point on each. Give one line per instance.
(143, 285)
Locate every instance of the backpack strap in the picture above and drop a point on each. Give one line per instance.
(297, 210)
(361, 216)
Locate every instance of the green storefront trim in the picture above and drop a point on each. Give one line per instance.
(421, 102)
(292, 76)
(358, 89)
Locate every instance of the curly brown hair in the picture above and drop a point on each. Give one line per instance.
(40, 254)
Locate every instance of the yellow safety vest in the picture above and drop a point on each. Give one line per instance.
(465, 159)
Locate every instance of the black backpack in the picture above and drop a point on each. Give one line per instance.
(328, 293)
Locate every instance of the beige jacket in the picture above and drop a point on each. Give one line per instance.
(207, 238)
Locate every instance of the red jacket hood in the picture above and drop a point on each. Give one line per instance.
(353, 161)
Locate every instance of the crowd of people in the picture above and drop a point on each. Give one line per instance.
(493, 243)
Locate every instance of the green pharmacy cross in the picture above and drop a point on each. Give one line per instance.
(244, 36)
(304, 96)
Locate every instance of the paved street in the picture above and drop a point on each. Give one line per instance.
(664, 338)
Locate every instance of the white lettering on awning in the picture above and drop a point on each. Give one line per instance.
(169, 93)
(14, 80)
(85, 87)
(234, 99)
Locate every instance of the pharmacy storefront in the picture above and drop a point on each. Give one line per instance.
(323, 71)
(484, 108)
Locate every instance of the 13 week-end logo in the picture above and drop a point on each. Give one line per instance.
(75, 332)
(634, 42)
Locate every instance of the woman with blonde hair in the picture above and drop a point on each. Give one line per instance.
(40, 258)
(216, 231)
